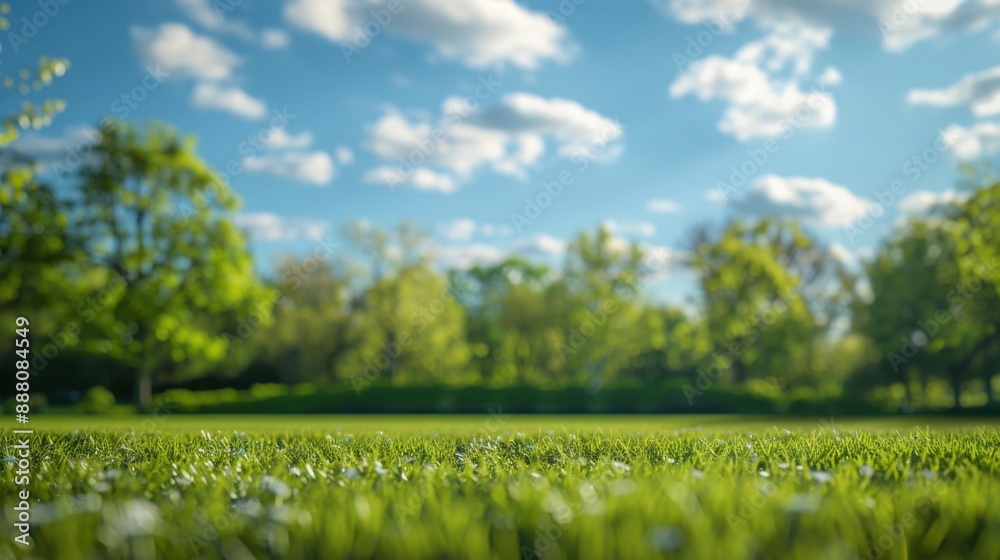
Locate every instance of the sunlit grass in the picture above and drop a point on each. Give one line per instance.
(171, 486)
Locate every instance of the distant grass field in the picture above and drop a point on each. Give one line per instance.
(713, 487)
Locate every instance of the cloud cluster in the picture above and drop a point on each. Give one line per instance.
(181, 53)
(266, 226)
(288, 156)
(974, 142)
(901, 23)
(211, 96)
(812, 200)
(979, 90)
(763, 83)
(922, 201)
(475, 32)
(212, 15)
(505, 138)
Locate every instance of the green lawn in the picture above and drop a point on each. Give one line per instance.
(714, 487)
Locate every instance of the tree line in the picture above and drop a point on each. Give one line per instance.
(137, 276)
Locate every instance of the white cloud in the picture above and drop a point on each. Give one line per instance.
(762, 83)
(841, 253)
(280, 140)
(974, 142)
(506, 138)
(231, 99)
(662, 206)
(461, 229)
(816, 201)
(42, 147)
(265, 226)
(344, 155)
(901, 23)
(633, 228)
(178, 51)
(490, 230)
(274, 38)
(922, 201)
(542, 244)
(467, 256)
(212, 15)
(477, 33)
(308, 167)
(830, 77)
(421, 178)
(980, 90)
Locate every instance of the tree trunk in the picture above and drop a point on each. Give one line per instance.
(144, 389)
(956, 388)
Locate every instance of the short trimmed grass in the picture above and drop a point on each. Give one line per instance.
(714, 487)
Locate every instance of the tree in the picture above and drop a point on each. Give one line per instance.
(34, 239)
(768, 292)
(314, 323)
(410, 327)
(171, 266)
(513, 320)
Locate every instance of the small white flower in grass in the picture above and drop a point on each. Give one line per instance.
(133, 518)
(249, 507)
(869, 503)
(783, 465)
(309, 470)
(866, 470)
(274, 486)
(402, 476)
(765, 474)
(698, 474)
(620, 466)
(382, 471)
(351, 473)
(295, 471)
(927, 473)
(821, 476)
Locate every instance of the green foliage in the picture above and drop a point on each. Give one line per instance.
(768, 293)
(509, 487)
(97, 400)
(170, 269)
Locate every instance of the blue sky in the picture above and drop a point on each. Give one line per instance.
(454, 113)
